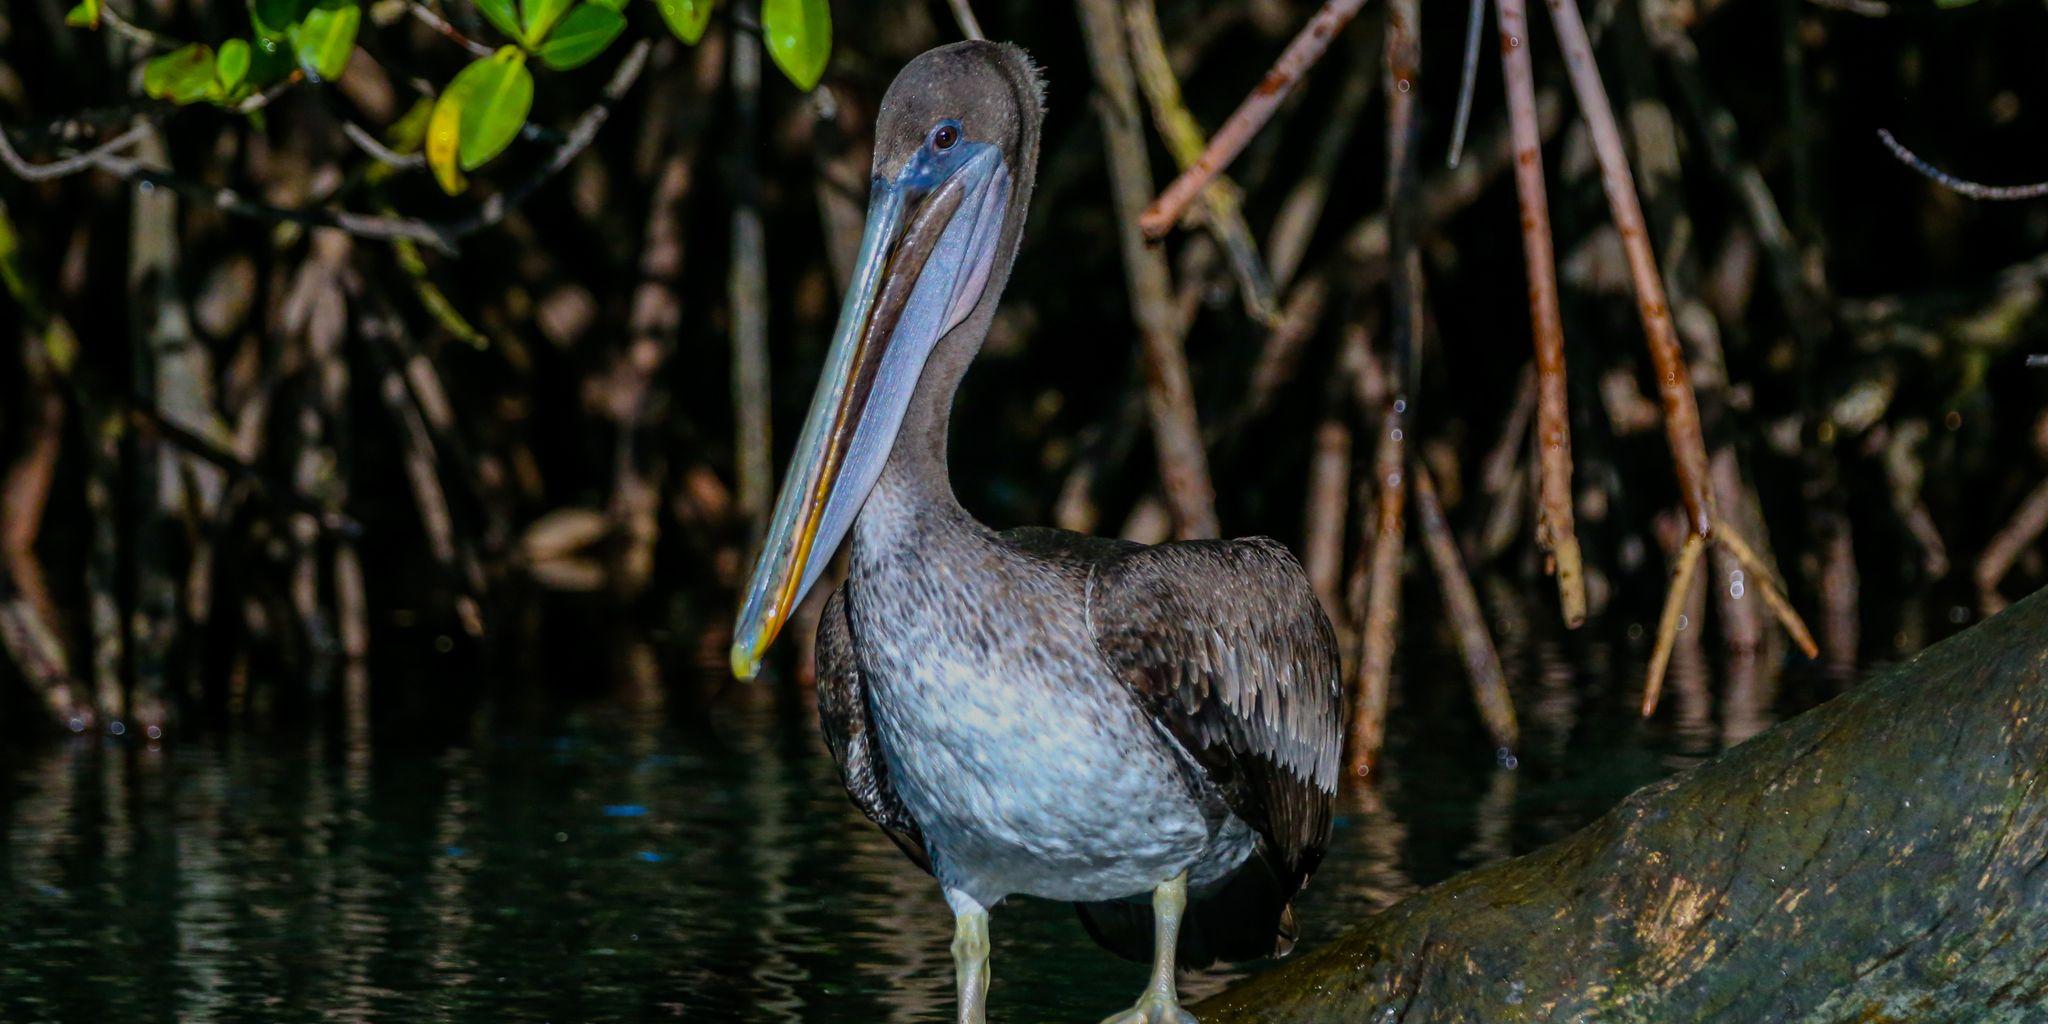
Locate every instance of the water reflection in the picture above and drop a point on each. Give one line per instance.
(669, 850)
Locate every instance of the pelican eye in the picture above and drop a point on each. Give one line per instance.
(944, 136)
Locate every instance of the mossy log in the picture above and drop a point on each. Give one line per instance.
(1883, 857)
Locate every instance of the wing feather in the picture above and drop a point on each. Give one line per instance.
(849, 733)
(1226, 644)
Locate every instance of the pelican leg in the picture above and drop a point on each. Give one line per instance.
(970, 956)
(1161, 1003)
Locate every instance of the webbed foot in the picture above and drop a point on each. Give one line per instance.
(1154, 1008)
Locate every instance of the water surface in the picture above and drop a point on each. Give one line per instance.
(663, 850)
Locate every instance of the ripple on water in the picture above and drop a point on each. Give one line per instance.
(625, 870)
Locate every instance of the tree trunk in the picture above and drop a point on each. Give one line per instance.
(1881, 858)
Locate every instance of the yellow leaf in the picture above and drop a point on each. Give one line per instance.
(444, 139)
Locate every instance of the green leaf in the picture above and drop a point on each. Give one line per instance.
(444, 136)
(799, 38)
(582, 35)
(502, 15)
(85, 15)
(538, 17)
(686, 18)
(183, 75)
(274, 18)
(499, 92)
(232, 66)
(616, 5)
(326, 36)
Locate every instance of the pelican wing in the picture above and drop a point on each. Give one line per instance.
(1226, 645)
(849, 732)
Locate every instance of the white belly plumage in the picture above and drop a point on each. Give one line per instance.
(1027, 782)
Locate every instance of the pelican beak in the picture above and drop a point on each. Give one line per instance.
(924, 261)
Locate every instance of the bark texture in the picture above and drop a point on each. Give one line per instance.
(1883, 857)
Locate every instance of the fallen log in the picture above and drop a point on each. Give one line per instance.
(1883, 857)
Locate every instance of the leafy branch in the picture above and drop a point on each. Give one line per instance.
(441, 235)
(472, 119)
(465, 125)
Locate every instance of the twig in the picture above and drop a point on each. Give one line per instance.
(1221, 200)
(1280, 356)
(964, 14)
(1906, 475)
(70, 164)
(1329, 478)
(1475, 19)
(25, 488)
(377, 150)
(432, 19)
(1866, 8)
(263, 99)
(1149, 522)
(1382, 599)
(1667, 624)
(450, 547)
(1961, 186)
(441, 235)
(122, 26)
(1840, 584)
(1359, 377)
(1402, 70)
(582, 132)
(1741, 621)
(1504, 521)
(2023, 529)
(1501, 460)
(1767, 585)
(1250, 116)
(1183, 464)
(429, 395)
(227, 200)
(351, 602)
(438, 306)
(39, 655)
(1681, 411)
(1919, 522)
(1555, 529)
(330, 519)
(1468, 622)
(28, 614)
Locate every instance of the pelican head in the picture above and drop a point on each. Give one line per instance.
(956, 141)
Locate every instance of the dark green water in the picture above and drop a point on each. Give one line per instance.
(661, 852)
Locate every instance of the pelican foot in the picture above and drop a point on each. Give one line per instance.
(1155, 1008)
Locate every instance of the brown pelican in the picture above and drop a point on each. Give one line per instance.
(1034, 711)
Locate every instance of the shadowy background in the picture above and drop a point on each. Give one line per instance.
(364, 604)
(247, 458)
